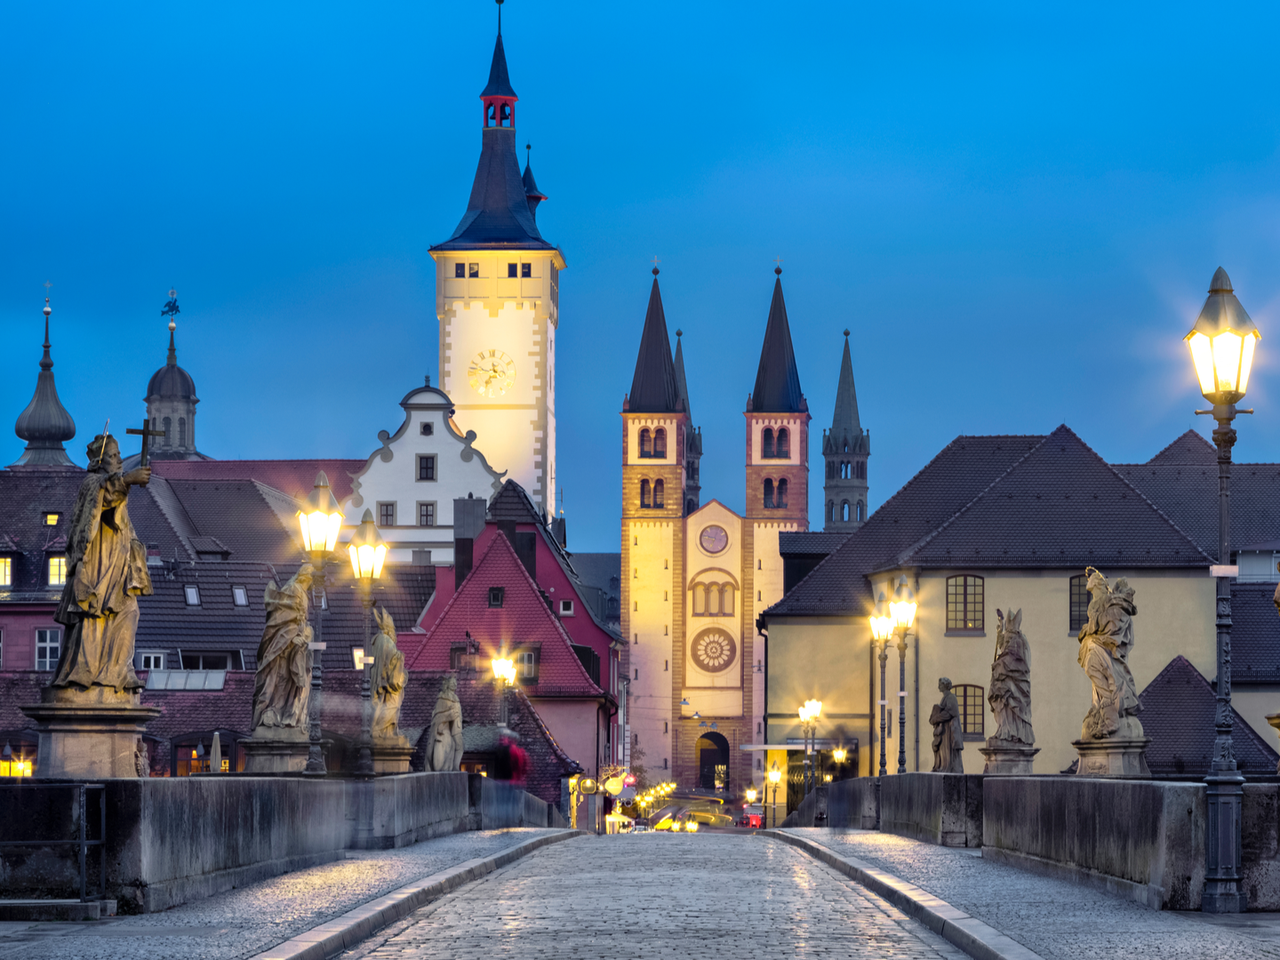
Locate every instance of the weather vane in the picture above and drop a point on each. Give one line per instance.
(171, 308)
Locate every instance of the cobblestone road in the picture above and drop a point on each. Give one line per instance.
(648, 896)
(244, 922)
(1058, 919)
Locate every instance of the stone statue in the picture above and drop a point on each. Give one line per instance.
(389, 678)
(1105, 642)
(948, 731)
(106, 572)
(444, 749)
(282, 687)
(1010, 694)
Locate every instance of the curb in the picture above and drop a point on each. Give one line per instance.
(978, 939)
(344, 932)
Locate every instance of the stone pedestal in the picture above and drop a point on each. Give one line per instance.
(1007, 758)
(276, 750)
(392, 756)
(1113, 757)
(1274, 720)
(90, 734)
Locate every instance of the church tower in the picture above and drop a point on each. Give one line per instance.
(655, 424)
(497, 299)
(845, 447)
(693, 436)
(171, 407)
(45, 423)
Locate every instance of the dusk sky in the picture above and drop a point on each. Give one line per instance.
(1015, 210)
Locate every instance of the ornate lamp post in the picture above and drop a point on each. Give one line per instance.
(320, 523)
(504, 671)
(838, 755)
(368, 551)
(881, 630)
(775, 775)
(903, 611)
(1222, 344)
(809, 715)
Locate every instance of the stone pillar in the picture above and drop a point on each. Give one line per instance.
(90, 734)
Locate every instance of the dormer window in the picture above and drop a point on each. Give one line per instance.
(51, 519)
(6, 571)
(240, 596)
(496, 596)
(192, 594)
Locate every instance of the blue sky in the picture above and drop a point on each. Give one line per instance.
(1016, 211)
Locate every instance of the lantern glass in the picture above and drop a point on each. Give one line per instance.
(357, 656)
(903, 613)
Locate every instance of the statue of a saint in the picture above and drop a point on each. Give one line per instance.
(1105, 641)
(948, 731)
(389, 678)
(1010, 695)
(105, 574)
(444, 749)
(282, 687)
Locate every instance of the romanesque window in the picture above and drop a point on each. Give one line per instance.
(972, 709)
(646, 443)
(844, 511)
(766, 443)
(768, 493)
(660, 443)
(782, 492)
(658, 489)
(168, 431)
(712, 599)
(1079, 602)
(783, 448)
(859, 512)
(964, 602)
(644, 493)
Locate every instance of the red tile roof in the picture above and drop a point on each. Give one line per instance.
(289, 476)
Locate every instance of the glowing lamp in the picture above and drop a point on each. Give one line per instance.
(814, 708)
(367, 549)
(903, 608)
(838, 754)
(751, 794)
(1222, 344)
(775, 775)
(881, 628)
(692, 826)
(504, 669)
(322, 518)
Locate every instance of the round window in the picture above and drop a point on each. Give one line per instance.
(714, 650)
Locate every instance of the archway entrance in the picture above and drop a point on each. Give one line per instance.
(713, 762)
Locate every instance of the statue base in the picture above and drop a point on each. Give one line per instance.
(1113, 757)
(90, 734)
(276, 750)
(392, 756)
(1007, 758)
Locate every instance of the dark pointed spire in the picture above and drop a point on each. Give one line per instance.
(45, 423)
(845, 419)
(777, 380)
(653, 388)
(499, 84)
(531, 191)
(682, 387)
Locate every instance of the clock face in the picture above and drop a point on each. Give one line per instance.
(713, 539)
(492, 373)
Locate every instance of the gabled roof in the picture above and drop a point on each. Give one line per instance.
(845, 418)
(1177, 714)
(524, 619)
(777, 387)
(294, 477)
(960, 471)
(809, 543)
(1191, 447)
(653, 387)
(1060, 506)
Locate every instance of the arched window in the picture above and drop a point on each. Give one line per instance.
(782, 492)
(660, 443)
(862, 469)
(168, 432)
(1079, 611)
(768, 493)
(766, 443)
(713, 600)
(657, 494)
(646, 445)
(964, 602)
(644, 493)
(831, 510)
(972, 709)
(689, 507)
(726, 600)
(182, 431)
(844, 471)
(784, 444)
(699, 600)
(859, 512)
(844, 511)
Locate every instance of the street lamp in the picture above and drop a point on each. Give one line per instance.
(809, 715)
(775, 775)
(881, 630)
(1222, 344)
(367, 551)
(320, 523)
(504, 671)
(903, 611)
(838, 755)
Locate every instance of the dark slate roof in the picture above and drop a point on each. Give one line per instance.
(777, 387)
(1177, 714)
(845, 417)
(26, 495)
(294, 477)
(1191, 447)
(498, 214)
(960, 471)
(45, 423)
(254, 521)
(1061, 505)
(653, 387)
(499, 84)
(809, 544)
(682, 385)
(531, 185)
(171, 382)
(1255, 634)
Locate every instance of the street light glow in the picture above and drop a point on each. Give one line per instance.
(367, 549)
(1222, 343)
(322, 518)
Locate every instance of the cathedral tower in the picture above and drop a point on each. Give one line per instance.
(654, 428)
(845, 447)
(497, 299)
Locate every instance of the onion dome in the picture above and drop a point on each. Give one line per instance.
(45, 424)
(171, 382)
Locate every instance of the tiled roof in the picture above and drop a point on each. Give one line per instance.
(809, 543)
(1255, 634)
(523, 619)
(26, 495)
(1061, 505)
(960, 471)
(292, 477)
(1177, 714)
(254, 521)
(1191, 447)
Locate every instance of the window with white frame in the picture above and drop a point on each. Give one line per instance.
(192, 594)
(566, 608)
(151, 661)
(48, 648)
(57, 571)
(527, 664)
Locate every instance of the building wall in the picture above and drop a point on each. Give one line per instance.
(517, 318)
(650, 576)
(576, 725)
(18, 626)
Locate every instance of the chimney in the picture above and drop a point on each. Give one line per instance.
(468, 523)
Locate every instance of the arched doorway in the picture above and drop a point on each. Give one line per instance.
(713, 762)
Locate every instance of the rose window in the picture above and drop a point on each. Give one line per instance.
(714, 650)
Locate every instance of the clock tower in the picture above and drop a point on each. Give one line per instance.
(497, 299)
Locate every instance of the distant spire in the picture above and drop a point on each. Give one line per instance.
(531, 191)
(777, 380)
(45, 423)
(653, 388)
(682, 388)
(845, 419)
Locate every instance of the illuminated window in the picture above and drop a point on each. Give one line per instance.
(240, 596)
(6, 572)
(17, 759)
(460, 270)
(192, 592)
(972, 708)
(496, 596)
(57, 571)
(48, 647)
(1079, 612)
(51, 519)
(473, 271)
(526, 269)
(964, 603)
